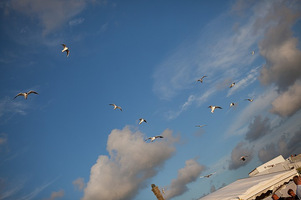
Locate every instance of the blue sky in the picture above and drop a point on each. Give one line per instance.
(67, 142)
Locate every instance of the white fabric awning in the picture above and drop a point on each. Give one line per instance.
(249, 188)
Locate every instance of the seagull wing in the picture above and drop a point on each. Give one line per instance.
(218, 107)
(64, 45)
(200, 125)
(148, 138)
(31, 91)
(159, 136)
(67, 52)
(20, 94)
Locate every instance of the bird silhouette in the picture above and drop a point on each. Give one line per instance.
(25, 94)
(65, 49)
(154, 137)
(214, 107)
(115, 106)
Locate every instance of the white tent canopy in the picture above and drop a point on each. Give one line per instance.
(250, 188)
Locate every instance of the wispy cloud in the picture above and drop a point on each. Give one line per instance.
(198, 100)
(12, 191)
(228, 53)
(131, 163)
(8, 108)
(55, 195)
(3, 139)
(76, 21)
(79, 183)
(225, 59)
(51, 14)
(250, 78)
(37, 191)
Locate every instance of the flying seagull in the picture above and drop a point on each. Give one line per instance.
(232, 104)
(213, 108)
(200, 125)
(25, 94)
(142, 120)
(207, 176)
(201, 79)
(253, 52)
(154, 137)
(115, 106)
(243, 158)
(232, 85)
(249, 100)
(66, 49)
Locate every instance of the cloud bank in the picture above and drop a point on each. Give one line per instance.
(283, 58)
(258, 128)
(131, 162)
(284, 146)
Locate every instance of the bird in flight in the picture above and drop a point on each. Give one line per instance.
(115, 106)
(232, 104)
(25, 94)
(253, 52)
(214, 107)
(201, 79)
(154, 137)
(243, 158)
(200, 125)
(207, 176)
(249, 100)
(142, 120)
(66, 49)
(232, 85)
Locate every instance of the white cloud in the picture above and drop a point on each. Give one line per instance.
(289, 102)
(186, 175)
(131, 163)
